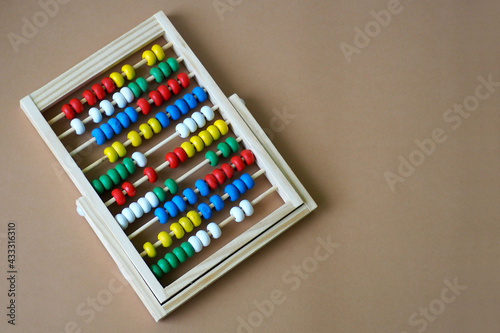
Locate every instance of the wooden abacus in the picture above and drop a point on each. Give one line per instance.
(148, 237)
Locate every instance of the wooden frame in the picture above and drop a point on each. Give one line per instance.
(160, 300)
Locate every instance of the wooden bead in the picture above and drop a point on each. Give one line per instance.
(150, 249)
(150, 57)
(129, 71)
(158, 51)
(117, 79)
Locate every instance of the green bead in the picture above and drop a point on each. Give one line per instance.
(158, 75)
(142, 83)
(212, 157)
(115, 177)
(129, 165)
(164, 266)
(156, 271)
(233, 144)
(172, 185)
(188, 248)
(122, 171)
(165, 69)
(135, 89)
(174, 65)
(106, 182)
(158, 191)
(180, 254)
(98, 187)
(224, 149)
(172, 260)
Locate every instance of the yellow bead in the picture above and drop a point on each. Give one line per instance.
(177, 229)
(197, 143)
(214, 132)
(120, 149)
(188, 148)
(158, 51)
(129, 72)
(146, 130)
(155, 125)
(206, 137)
(222, 126)
(150, 57)
(150, 249)
(134, 138)
(186, 224)
(165, 239)
(111, 153)
(194, 217)
(117, 79)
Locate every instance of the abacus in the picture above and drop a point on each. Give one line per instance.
(166, 164)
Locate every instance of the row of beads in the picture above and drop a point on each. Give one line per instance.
(113, 176)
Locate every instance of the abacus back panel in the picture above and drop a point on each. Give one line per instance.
(167, 165)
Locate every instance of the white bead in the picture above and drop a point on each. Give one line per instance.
(108, 108)
(195, 243)
(129, 214)
(204, 237)
(145, 205)
(207, 112)
(237, 213)
(128, 94)
(136, 209)
(122, 221)
(183, 130)
(247, 207)
(191, 124)
(78, 126)
(80, 211)
(95, 114)
(152, 199)
(199, 119)
(120, 100)
(214, 229)
(140, 159)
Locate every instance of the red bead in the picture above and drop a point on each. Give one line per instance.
(144, 105)
(183, 79)
(129, 188)
(119, 196)
(174, 86)
(151, 174)
(108, 84)
(98, 91)
(172, 159)
(89, 97)
(247, 156)
(68, 111)
(219, 175)
(156, 97)
(228, 170)
(76, 104)
(164, 91)
(211, 181)
(181, 154)
(238, 163)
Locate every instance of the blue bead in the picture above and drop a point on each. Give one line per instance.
(123, 119)
(173, 111)
(240, 185)
(99, 136)
(232, 191)
(190, 100)
(182, 106)
(171, 208)
(132, 114)
(217, 202)
(202, 186)
(200, 94)
(163, 119)
(179, 202)
(205, 210)
(115, 125)
(190, 195)
(248, 180)
(107, 130)
(161, 214)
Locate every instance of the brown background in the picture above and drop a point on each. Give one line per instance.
(352, 123)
